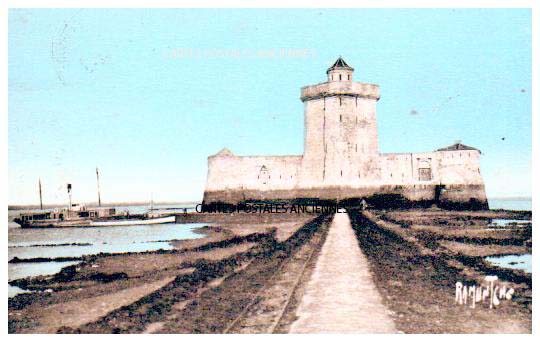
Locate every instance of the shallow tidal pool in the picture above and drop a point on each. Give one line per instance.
(519, 262)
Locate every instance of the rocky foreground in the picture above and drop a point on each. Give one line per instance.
(255, 273)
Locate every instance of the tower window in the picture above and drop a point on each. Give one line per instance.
(341, 172)
(340, 101)
(340, 77)
(349, 77)
(340, 118)
(356, 147)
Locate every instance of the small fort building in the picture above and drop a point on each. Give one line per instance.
(341, 159)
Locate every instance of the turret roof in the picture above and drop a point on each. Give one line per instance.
(458, 146)
(225, 152)
(339, 64)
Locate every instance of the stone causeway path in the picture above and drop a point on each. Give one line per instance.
(341, 296)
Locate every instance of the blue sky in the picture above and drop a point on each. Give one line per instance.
(102, 88)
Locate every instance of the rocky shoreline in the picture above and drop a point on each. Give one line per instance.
(417, 275)
(210, 284)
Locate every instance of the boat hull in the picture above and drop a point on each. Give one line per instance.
(95, 223)
(156, 220)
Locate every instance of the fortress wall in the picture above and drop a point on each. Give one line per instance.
(404, 168)
(252, 172)
(460, 167)
(458, 196)
(447, 167)
(233, 178)
(396, 168)
(458, 171)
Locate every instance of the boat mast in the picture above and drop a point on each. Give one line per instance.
(98, 194)
(69, 194)
(40, 197)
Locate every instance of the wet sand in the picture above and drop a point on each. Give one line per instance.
(120, 278)
(250, 274)
(416, 276)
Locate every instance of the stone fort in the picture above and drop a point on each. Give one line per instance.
(341, 159)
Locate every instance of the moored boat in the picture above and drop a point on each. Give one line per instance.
(80, 216)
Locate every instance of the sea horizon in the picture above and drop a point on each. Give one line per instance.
(158, 203)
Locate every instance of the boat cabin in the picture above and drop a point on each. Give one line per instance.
(76, 211)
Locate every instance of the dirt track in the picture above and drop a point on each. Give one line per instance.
(341, 297)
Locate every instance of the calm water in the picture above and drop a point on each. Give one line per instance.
(509, 222)
(510, 204)
(519, 262)
(17, 271)
(52, 243)
(76, 242)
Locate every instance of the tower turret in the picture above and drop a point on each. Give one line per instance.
(340, 71)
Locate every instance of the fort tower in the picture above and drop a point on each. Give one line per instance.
(340, 141)
(342, 160)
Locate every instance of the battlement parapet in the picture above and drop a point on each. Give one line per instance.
(344, 88)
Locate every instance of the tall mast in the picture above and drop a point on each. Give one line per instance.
(40, 197)
(98, 194)
(69, 194)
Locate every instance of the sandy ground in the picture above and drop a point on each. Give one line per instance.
(272, 308)
(74, 313)
(484, 250)
(103, 286)
(341, 296)
(257, 274)
(416, 278)
(259, 299)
